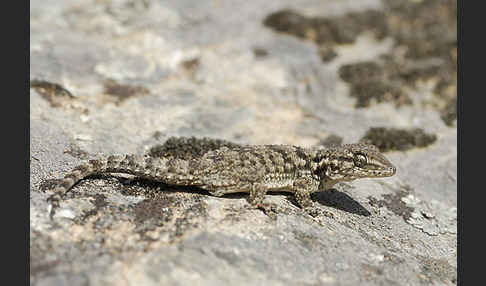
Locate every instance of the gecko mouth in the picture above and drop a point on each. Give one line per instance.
(379, 166)
(379, 171)
(388, 172)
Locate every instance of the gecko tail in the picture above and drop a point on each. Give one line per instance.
(165, 170)
(127, 164)
(103, 165)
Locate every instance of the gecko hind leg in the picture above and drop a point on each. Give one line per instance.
(256, 196)
(256, 200)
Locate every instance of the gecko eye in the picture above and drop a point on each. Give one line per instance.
(359, 160)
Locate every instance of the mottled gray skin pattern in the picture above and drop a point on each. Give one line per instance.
(251, 169)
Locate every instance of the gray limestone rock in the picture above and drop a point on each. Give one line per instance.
(123, 76)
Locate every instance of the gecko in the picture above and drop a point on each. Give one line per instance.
(222, 167)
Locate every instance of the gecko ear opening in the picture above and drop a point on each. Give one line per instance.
(330, 172)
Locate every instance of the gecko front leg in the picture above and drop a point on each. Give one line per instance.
(304, 187)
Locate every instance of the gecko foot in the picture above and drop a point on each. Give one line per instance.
(315, 212)
(267, 208)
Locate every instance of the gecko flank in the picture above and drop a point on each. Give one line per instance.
(251, 169)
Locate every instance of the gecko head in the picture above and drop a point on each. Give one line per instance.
(352, 161)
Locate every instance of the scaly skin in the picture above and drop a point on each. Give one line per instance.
(230, 168)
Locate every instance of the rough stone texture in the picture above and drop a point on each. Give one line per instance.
(122, 76)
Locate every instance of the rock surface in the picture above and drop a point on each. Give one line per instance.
(123, 76)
